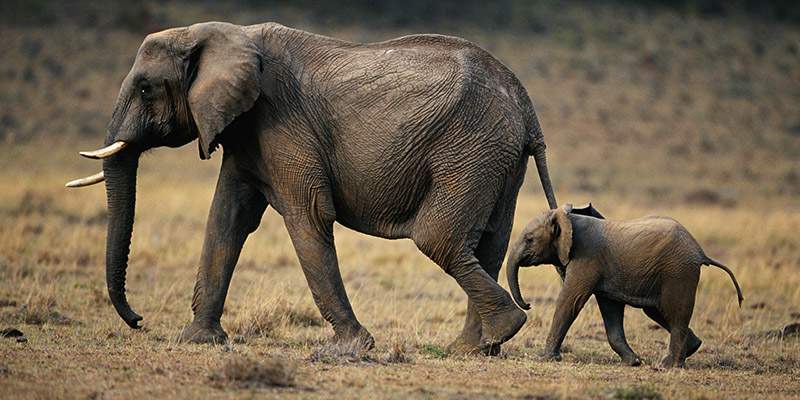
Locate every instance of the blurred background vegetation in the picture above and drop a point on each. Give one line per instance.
(501, 14)
(690, 101)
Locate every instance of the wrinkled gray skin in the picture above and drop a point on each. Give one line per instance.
(424, 137)
(651, 263)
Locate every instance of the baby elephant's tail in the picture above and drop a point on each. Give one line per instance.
(711, 261)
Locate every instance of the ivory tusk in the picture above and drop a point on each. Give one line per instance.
(89, 180)
(107, 151)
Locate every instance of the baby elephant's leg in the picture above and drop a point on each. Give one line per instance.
(613, 315)
(693, 342)
(578, 285)
(677, 306)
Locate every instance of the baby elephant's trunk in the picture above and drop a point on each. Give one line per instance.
(512, 273)
(711, 261)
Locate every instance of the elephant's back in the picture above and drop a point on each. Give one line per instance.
(487, 87)
(657, 239)
(413, 81)
(430, 103)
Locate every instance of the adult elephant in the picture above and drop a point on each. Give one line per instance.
(424, 137)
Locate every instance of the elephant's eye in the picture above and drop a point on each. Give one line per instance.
(145, 89)
(529, 239)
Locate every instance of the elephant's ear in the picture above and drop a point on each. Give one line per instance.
(563, 228)
(223, 68)
(587, 210)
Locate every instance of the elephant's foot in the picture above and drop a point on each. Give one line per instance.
(632, 360)
(693, 343)
(463, 346)
(498, 328)
(358, 339)
(197, 332)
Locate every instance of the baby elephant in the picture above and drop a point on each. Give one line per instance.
(651, 263)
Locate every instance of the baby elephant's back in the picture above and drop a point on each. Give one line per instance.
(651, 242)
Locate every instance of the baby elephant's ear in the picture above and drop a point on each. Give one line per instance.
(587, 210)
(564, 237)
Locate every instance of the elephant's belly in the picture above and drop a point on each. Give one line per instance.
(634, 294)
(388, 211)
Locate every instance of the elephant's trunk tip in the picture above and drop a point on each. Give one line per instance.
(124, 310)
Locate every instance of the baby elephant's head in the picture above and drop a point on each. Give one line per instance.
(546, 240)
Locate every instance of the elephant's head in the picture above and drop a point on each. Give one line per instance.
(545, 240)
(185, 84)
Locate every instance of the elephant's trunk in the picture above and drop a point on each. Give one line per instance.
(120, 174)
(512, 273)
(544, 175)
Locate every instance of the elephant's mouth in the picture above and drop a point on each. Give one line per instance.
(532, 262)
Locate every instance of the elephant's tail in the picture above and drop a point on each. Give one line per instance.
(535, 142)
(536, 148)
(711, 261)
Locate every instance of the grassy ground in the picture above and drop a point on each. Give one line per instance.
(51, 261)
(643, 113)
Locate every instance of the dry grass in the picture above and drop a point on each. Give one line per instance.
(246, 372)
(700, 127)
(52, 261)
(273, 319)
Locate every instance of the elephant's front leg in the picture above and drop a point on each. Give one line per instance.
(312, 237)
(578, 286)
(235, 213)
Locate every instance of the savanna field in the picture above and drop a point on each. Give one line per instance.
(644, 112)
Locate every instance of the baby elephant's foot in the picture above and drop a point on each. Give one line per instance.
(550, 355)
(498, 328)
(670, 362)
(199, 332)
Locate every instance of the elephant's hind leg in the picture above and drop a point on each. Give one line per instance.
(613, 313)
(235, 212)
(693, 342)
(311, 232)
(677, 310)
(500, 319)
(490, 252)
